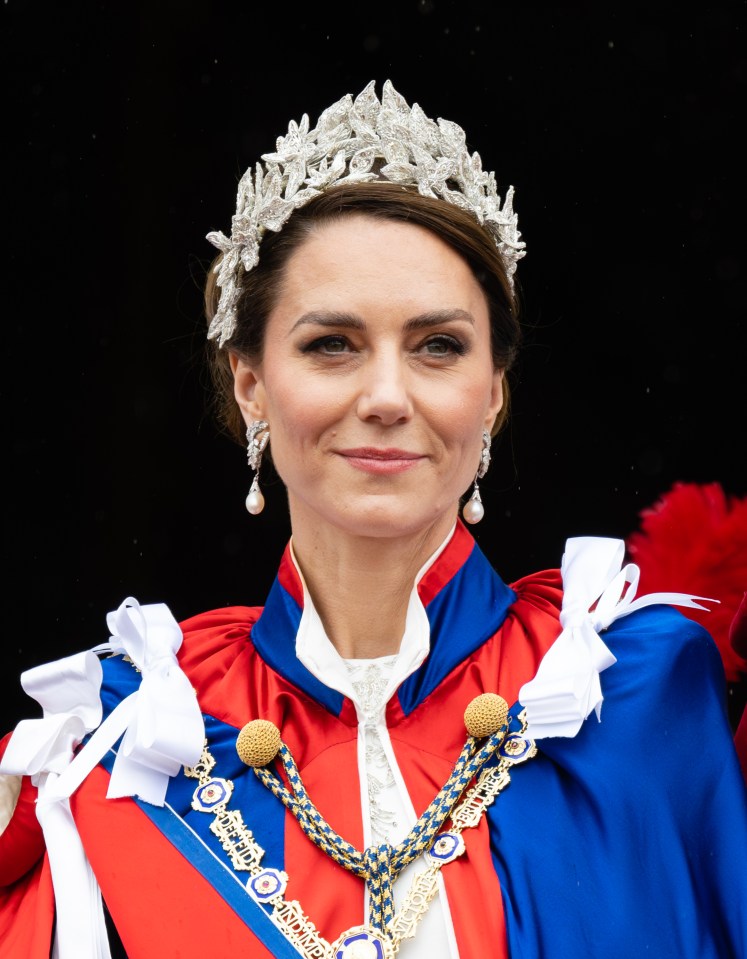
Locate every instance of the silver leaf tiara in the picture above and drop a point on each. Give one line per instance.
(349, 137)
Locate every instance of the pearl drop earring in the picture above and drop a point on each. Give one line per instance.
(255, 446)
(473, 510)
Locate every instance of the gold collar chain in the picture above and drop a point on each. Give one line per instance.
(267, 885)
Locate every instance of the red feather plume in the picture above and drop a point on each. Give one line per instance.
(694, 540)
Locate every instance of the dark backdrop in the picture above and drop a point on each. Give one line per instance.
(126, 128)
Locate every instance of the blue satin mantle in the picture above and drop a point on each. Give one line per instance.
(628, 841)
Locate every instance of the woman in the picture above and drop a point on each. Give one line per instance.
(320, 795)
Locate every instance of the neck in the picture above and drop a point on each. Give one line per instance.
(361, 586)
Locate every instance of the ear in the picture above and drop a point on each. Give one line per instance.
(496, 399)
(248, 388)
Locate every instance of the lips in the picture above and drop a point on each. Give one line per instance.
(373, 459)
(376, 453)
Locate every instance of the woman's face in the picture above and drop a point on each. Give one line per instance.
(376, 379)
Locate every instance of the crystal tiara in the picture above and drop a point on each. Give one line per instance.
(348, 139)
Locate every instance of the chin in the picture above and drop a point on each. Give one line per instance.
(393, 520)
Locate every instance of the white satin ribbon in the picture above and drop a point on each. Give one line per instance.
(163, 730)
(598, 589)
(68, 692)
(164, 726)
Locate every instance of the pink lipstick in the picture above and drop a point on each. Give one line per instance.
(373, 459)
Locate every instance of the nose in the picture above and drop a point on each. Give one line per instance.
(384, 391)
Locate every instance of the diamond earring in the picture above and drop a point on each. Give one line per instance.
(255, 447)
(473, 510)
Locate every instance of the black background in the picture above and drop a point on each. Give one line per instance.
(126, 128)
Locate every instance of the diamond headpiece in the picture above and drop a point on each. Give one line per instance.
(350, 136)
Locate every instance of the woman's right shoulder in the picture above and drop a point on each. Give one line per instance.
(220, 660)
(221, 634)
(215, 653)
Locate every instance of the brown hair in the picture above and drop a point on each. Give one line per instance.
(260, 287)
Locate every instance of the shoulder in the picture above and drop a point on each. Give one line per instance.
(528, 626)
(220, 634)
(219, 658)
(534, 617)
(216, 654)
(652, 639)
(541, 591)
(665, 657)
(664, 702)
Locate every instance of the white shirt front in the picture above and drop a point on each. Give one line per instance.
(388, 812)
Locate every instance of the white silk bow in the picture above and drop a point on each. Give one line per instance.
(68, 692)
(164, 726)
(597, 590)
(163, 730)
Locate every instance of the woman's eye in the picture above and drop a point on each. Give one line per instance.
(443, 346)
(327, 344)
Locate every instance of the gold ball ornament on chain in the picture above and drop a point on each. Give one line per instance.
(258, 742)
(485, 715)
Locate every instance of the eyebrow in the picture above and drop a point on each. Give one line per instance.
(351, 321)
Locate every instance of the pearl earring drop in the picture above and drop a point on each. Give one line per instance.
(255, 446)
(473, 510)
(255, 501)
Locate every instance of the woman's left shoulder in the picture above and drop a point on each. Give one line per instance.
(543, 589)
(659, 649)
